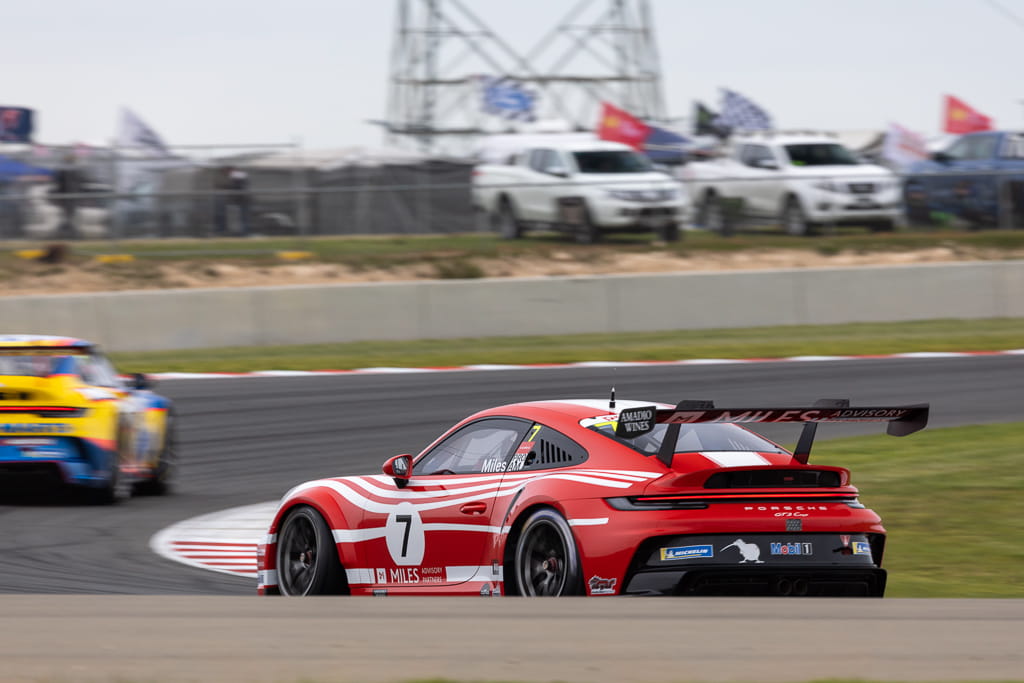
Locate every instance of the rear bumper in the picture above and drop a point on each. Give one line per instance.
(818, 564)
(762, 581)
(52, 461)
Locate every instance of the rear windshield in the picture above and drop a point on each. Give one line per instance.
(826, 154)
(28, 365)
(694, 438)
(611, 161)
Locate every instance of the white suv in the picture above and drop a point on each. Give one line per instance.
(799, 180)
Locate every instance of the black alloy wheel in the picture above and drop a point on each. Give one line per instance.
(307, 559)
(546, 560)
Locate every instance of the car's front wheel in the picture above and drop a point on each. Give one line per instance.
(546, 560)
(793, 218)
(509, 227)
(307, 559)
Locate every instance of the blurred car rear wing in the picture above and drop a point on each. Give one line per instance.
(634, 422)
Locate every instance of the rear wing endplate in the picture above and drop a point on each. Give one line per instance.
(634, 422)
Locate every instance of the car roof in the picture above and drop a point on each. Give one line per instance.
(42, 341)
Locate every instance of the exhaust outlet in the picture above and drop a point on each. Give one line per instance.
(783, 586)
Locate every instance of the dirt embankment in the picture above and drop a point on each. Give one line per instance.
(36, 277)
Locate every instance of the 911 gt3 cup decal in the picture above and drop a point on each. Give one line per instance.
(749, 552)
(405, 537)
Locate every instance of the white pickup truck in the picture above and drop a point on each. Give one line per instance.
(798, 181)
(584, 187)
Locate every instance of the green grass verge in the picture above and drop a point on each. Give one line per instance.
(951, 502)
(769, 342)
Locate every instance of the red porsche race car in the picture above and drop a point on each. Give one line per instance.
(585, 497)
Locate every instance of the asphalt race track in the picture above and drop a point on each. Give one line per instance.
(247, 440)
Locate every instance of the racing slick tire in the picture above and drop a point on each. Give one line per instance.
(546, 560)
(307, 558)
(509, 227)
(166, 465)
(794, 220)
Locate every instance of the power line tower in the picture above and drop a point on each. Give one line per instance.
(454, 78)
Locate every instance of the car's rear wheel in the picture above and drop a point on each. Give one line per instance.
(307, 558)
(546, 560)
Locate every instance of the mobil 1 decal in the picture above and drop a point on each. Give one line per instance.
(404, 535)
(635, 421)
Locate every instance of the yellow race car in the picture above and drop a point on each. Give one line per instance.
(66, 416)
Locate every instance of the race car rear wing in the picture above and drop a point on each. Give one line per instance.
(634, 422)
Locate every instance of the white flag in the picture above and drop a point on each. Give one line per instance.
(134, 133)
(903, 147)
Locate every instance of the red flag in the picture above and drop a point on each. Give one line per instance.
(961, 118)
(619, 126)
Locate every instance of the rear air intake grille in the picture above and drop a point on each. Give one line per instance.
(761, 479)
(15, 396)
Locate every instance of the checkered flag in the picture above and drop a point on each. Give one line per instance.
(739, 113)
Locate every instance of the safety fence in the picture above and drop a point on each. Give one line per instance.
(439, 197)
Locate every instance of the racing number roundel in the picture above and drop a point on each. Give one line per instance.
(404, 535)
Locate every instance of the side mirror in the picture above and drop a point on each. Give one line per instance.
(140, 381)
(557, 171)
(941, 157)
(769, 164)
(399, 468)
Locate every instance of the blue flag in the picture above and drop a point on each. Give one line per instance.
(508, 98)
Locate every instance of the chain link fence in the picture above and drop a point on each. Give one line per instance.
(183, 198)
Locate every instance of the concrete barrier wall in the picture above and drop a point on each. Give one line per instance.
(204, 318)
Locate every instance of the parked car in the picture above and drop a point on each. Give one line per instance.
(978, 178)
(584, 187)
(799, 181)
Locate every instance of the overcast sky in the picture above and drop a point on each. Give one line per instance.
(242, 71)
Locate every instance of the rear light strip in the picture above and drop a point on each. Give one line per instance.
(704, 502)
